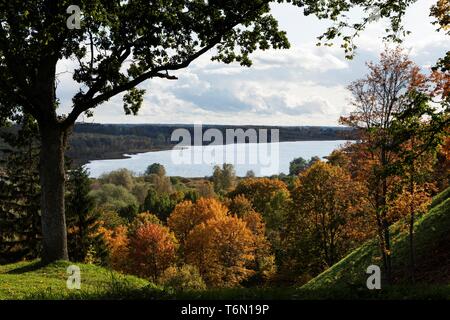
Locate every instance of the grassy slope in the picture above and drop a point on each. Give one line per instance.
(432, 239)
(30, 280)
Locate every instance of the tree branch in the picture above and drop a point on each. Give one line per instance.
(157, 72)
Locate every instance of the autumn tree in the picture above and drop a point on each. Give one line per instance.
(152, 249)
(188, 215)
(441, 11)
(327, 218)
(264, 263)
(183, 278)
(240, 206)
(118, 247)
(223, 249)
(418, 131)
(377, 99)
(205, 190)
(119, 45)
(142, 219)
(270, 198)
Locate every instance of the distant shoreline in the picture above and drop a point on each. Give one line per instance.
(127, 155)
(268, 161)
(93, 141)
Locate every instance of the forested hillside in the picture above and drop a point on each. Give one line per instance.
(432, 232)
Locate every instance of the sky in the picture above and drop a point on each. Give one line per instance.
(302, 86)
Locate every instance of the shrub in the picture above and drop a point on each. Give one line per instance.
(184, 278)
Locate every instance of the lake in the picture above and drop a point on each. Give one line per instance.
(264, 159)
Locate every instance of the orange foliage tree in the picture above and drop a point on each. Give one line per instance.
(117, 243)
(223, 249)
(152, 249)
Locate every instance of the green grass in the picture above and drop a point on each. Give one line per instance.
(432, 240)
(31, 280)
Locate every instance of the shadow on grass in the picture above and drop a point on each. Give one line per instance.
(28, 268)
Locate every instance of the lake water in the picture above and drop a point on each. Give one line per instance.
(264, 159)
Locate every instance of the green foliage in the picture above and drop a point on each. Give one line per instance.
(224, 178)
(129, 212)
(140, 190)
(270, 197)
(111, 219)
(30, 280)
(121, 177)
(161, 184)
(143, 219)
(299, 165)
(155, 168)
(441, 197)
(322, 225)
(159, 204)
(112, 197)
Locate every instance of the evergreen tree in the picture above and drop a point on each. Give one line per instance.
(82, 220)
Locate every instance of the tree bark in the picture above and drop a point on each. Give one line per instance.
(52, 175)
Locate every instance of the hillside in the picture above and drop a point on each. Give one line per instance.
(432, 236)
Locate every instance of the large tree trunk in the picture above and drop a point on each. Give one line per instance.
(52, 175)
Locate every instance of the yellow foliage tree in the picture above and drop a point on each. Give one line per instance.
(326, 216)
(187, 215)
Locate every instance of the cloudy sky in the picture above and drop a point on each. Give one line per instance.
(305, 85)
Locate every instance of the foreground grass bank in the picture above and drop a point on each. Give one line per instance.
(31, 280)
